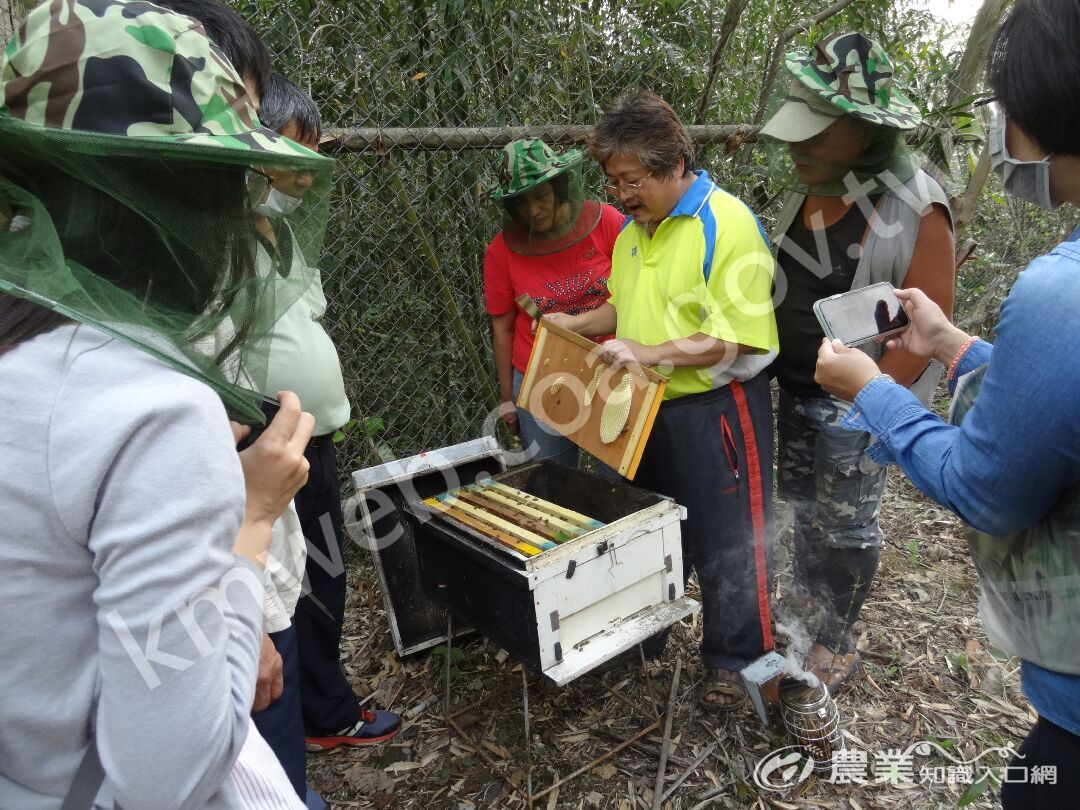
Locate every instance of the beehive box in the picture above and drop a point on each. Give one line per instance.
(572, 607)
(375, 520)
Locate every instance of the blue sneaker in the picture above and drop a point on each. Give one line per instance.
(313, 800)
(374, 727)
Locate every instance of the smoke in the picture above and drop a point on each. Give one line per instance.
(799, 643)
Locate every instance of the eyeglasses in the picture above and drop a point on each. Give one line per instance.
(258, 183)
(614, 189)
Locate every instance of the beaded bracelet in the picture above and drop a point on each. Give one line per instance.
(958, 357)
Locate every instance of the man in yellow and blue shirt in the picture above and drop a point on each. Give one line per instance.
(691, 295)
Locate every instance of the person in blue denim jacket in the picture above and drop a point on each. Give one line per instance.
(1008, 459)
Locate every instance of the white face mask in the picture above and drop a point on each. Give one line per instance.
(1025, 179)
(277, 205)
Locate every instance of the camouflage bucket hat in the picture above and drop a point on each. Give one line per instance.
(131, 165)
(853, 74)
(529, 162)
(134, 71)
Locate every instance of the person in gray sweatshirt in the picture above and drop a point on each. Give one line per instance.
(134, 535)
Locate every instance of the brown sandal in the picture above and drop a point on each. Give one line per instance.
(833, 669)
(725, 683)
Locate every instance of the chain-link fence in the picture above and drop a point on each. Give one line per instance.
(403, 261)
(9, 16)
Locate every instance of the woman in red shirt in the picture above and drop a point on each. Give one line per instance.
(555, 246)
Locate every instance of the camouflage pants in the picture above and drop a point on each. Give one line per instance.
(834, 492)
(823, 475)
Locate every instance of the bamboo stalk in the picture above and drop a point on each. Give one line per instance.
(464, 334)
(669, 716)
(600, 759)
(693, 766)
(727, 28)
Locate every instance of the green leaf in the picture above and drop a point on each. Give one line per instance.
(974, 790)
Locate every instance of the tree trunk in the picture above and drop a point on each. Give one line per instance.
(734, 11)
(964, 84)
(967, 75)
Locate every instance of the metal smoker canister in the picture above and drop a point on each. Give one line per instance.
(812, 720)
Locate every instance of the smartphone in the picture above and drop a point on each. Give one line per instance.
(861, 315)
(269, 408)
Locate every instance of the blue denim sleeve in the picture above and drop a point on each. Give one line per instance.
(978, 354)
(1018, 447)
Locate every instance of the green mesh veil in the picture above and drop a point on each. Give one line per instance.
(130, 163)
(543, 199)
(575, 218)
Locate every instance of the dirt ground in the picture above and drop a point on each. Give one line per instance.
(927, 676)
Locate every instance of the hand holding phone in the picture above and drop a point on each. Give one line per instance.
(862, 315)
(931, 333)
(275, 466)
(269, 408)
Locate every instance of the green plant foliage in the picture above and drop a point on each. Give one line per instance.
(976, 789)
(451, 657)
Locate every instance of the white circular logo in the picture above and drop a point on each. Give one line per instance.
(780, 769)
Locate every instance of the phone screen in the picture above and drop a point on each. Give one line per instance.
(861, 315)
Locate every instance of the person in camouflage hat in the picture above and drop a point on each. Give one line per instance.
(555, 246)
(844, 85)
(858, 212)
(108, 95)
(1007, 459)
(527, 163)
(127, 146)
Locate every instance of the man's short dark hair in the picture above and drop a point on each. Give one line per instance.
(1034, 71)
(643, 126)
(283, 101)
(230, 32)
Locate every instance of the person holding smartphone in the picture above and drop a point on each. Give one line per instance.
(1007, 461)
(859, 211)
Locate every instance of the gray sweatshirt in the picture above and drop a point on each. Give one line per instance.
(123, 606)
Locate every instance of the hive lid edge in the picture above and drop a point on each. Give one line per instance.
(428, 461)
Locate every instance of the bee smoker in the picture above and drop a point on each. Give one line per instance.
(787, 705)
(812, 720)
